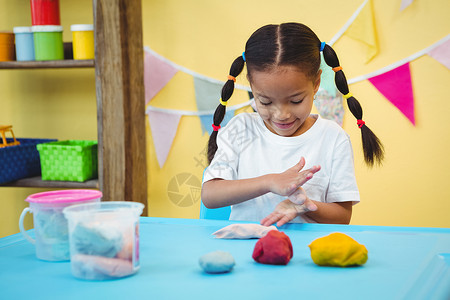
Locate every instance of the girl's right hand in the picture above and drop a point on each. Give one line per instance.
(286, 183)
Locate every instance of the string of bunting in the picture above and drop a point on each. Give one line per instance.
(158, 71)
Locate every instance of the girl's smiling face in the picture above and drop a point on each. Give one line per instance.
(284, 98)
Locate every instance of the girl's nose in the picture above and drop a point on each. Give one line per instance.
(282, 113)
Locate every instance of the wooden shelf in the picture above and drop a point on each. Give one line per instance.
(119, 76)
(48, 64)
(38, 182)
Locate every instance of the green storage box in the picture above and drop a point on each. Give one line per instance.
(69, 160)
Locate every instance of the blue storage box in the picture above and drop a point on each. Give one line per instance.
(20, 161)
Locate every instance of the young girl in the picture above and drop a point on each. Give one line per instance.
(283, 164)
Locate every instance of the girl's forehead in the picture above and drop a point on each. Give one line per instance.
(287, 77)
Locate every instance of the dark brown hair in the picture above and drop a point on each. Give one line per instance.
(293, 44)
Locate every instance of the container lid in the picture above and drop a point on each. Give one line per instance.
(82, 27)
(22, 29)
(119, 208)
(47, 28)
(6, 37)
(64, 196)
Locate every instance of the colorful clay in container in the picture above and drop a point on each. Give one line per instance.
(24, 43)
(48, 44)
(104, 239)
(6, 46)
(83, 41)
(45, 12)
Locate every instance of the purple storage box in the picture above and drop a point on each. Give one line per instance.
(20, 161)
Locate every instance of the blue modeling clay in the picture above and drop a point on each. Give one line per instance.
(217, 262)
(97, 240)
(52, 224)
(52, 231)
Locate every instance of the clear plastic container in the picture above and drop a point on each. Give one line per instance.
(104, 239)
(50, 225)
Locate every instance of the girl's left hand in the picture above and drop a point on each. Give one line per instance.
(286, 211)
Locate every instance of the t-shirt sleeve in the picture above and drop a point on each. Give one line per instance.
(225, 161)
(343, 186)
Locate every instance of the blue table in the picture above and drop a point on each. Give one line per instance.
(404, 263)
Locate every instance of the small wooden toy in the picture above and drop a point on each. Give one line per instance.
(3, 130)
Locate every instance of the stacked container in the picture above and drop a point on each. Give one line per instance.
(45, 12)
(6, 46)
(47, 30)
(24, 43)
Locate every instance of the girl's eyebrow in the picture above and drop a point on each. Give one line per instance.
(296, 94)
(262, 95)
(289, 97)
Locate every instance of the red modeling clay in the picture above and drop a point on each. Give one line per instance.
(275, 249)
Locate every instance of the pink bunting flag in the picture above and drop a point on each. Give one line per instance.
(157, 73)
(164, 128)
(396, 86)
(441, 53)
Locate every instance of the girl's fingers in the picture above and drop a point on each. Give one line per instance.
(300, 165)
(283, 221)
(310, 206)
(308, 174)
(270, 219)
(314, 169)
(298, 197)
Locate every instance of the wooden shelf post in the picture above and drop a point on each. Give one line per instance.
(119, 70)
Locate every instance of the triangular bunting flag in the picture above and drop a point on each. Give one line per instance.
(363, 30)
(396, 86)
(327, 78)
(164, 128)
(405, 4)
(207, 121)
(441, 53)
(252, 101)
(330, 107)
(207, 94)
(157, 73)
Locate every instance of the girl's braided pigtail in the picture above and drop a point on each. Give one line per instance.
(219, 114)
(373, 149)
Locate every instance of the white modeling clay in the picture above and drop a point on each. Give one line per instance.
(243, 231)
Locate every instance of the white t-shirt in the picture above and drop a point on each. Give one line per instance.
(247, 149)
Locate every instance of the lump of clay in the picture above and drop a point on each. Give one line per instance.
(97, 239)
(98, 267)
(217, 262)
(275, 249)
(243, 231)
(338, 250)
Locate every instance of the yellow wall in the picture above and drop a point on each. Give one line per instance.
(205, 36)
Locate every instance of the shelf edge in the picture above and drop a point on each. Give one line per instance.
(39, 183)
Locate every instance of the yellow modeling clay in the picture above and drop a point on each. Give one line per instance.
(338, 250)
